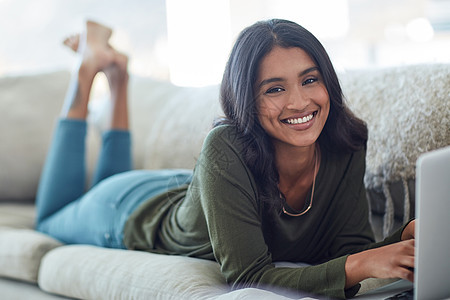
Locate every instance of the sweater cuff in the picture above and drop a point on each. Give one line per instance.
(336, 279)
(397, 235)
(351, 291)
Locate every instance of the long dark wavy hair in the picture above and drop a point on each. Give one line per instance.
(343, 131)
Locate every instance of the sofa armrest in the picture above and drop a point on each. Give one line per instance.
(21, 251)
(89, 272)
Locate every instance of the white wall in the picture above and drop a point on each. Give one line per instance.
(357, 33)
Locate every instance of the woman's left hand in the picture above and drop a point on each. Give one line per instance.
(409, 232)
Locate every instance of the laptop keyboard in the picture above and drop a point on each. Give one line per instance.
(406, 295)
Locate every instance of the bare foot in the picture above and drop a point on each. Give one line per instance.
(97, 33)
(96, 54)
(72, 42)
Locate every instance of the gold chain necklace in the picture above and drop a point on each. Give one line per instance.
(312, 191)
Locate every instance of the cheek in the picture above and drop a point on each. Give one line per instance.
(267, 115)
(326, 111)
(325, 101)
(268, 108)
(327, 105)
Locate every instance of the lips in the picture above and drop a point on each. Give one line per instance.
(300, 120)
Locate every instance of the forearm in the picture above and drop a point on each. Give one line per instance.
(390, 261)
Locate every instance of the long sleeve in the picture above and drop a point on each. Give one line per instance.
(219, 216)
(228, 197)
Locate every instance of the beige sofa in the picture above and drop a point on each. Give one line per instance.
(407, 110)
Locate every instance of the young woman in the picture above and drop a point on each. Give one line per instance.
(279, 178)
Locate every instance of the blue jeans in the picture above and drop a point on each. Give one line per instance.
(97, 217)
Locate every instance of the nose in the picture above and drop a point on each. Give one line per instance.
(297, 99)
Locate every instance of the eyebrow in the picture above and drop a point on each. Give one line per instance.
(277, 79)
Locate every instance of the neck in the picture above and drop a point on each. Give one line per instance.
(294, 163)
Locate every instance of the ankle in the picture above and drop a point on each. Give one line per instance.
(87, 72)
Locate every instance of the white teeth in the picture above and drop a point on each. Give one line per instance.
(300, 120)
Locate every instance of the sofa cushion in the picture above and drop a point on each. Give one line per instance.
(21, 252)
(89, 272)
(17, 215)
(172, 121)
(28, 108)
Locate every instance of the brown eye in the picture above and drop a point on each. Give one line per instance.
(274, 90)
(309, 81)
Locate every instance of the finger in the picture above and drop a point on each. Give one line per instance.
(406, 247)
(407, 262)
(409, 274)
(413, 228)
(410, 244)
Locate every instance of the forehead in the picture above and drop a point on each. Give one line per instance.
(282, 60)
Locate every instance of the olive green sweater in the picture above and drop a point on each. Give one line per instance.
(219, 217)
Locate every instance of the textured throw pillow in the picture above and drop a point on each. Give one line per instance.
(407, 111)
(21, 251)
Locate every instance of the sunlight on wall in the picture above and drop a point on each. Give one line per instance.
(200, 35)
(199, 38)
(329, 23)
(32, 32)
(188, 41)
(420, 30)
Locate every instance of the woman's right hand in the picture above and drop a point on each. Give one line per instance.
(391, 261)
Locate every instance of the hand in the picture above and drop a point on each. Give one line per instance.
(391, 261)
(410, 231)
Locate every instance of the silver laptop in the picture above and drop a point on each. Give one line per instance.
(432, 266)
(432, 263)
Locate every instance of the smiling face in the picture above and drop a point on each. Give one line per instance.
(293, 102)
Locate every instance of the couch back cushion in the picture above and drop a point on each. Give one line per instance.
(406, 108)
(170, 122)
(28, 108)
